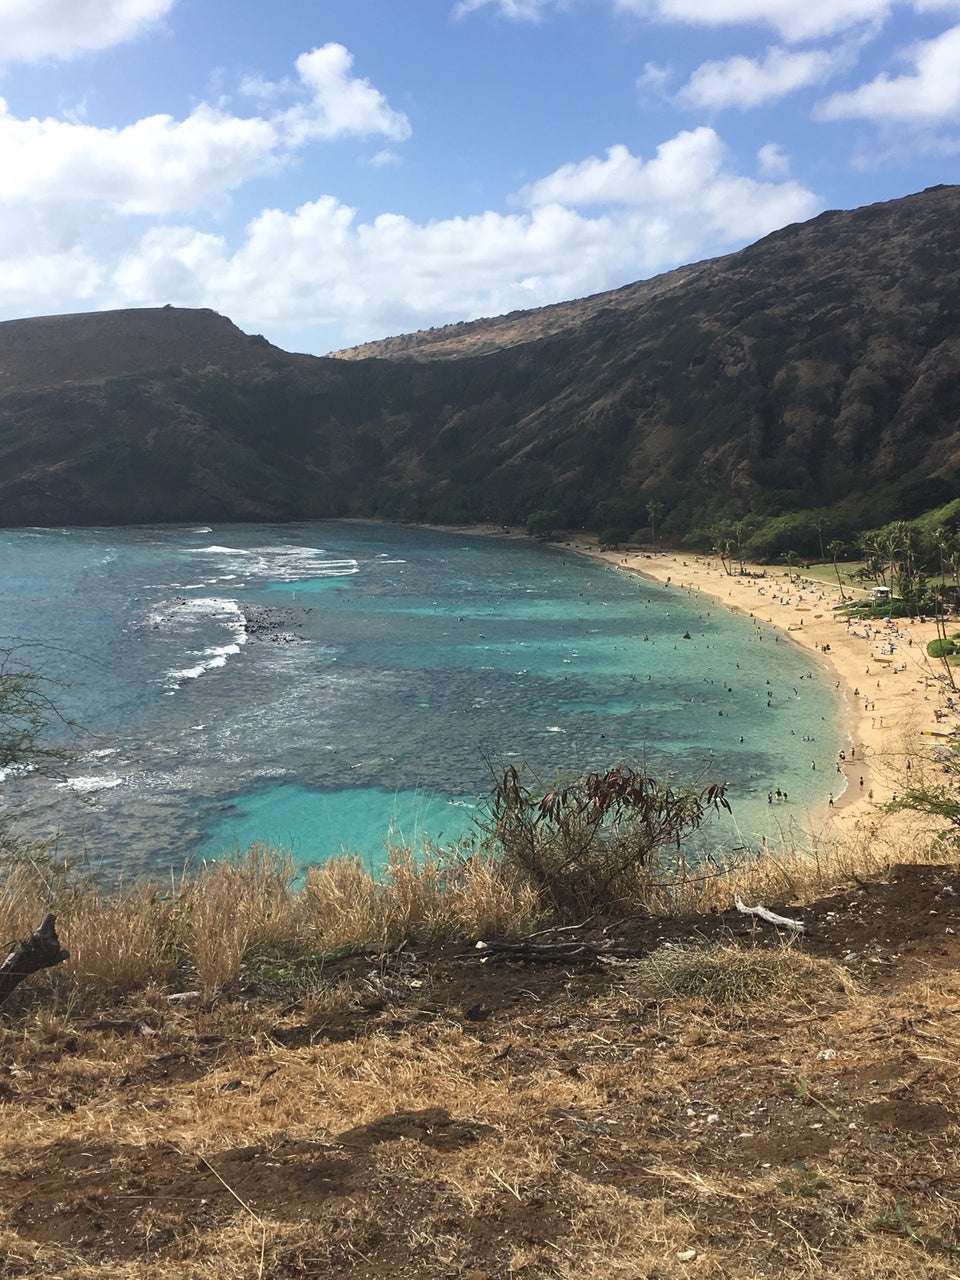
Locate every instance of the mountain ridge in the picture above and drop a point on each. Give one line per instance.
(818, 369)
(94, 345)
(495, 332)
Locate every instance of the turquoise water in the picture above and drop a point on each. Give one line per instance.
(321, 685)
(364, 819)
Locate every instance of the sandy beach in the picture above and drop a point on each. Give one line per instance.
(899, 709)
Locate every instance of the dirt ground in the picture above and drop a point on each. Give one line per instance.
(428, 1114)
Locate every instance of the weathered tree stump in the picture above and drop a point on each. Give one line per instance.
(41, 950)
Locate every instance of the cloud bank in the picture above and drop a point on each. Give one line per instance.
(141, 213)
(34, 30)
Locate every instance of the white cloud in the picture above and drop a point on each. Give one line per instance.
(688, 169)
(31, 30)
(154, 166)
(329, 103)
(168, 263)
(773, 160)
(318, 265)
(792, 19)
(266, 92)
(70, 190)
(749, 82)
(929, 95)
(29, 274)
(340, 105)
(655, 79)
(159, 165)
(516, 10)
(385, 159)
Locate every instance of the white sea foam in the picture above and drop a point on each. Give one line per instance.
(15, 771)
(183, 616)
(283, 563)
(84, 785)
(211, 660)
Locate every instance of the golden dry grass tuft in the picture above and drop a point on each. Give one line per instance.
(426, 895)
(200, 930)
(233, 908)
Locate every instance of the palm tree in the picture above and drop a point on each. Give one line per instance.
(897, 547)
(874, 555)
(940, 618)
(724, 549)
(835, 548)
(948, 549)
(819, 523)
(739, 529)
(792, 561)
(902, 543)
(654, 511)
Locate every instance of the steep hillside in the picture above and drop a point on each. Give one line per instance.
(479, 337)
(817, 369)
(48, 350)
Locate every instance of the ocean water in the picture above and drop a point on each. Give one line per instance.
(323, 686)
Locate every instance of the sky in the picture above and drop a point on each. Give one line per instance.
(328, 172)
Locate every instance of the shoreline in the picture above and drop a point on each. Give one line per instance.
(896, 706)
(892, 696)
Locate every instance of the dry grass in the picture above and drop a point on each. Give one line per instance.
(798, 872)
(717, 1110)
(734, 978)
(604, 1153)
(429, 896)
(201, 930)
(234, 908)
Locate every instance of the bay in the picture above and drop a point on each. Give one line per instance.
(323, 686)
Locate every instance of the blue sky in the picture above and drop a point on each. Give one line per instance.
(327, 172)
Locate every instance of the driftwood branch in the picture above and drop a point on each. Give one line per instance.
(783, 922)
(41, 950)
(548, 952)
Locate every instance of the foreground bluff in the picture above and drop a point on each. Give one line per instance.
(818, 368)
